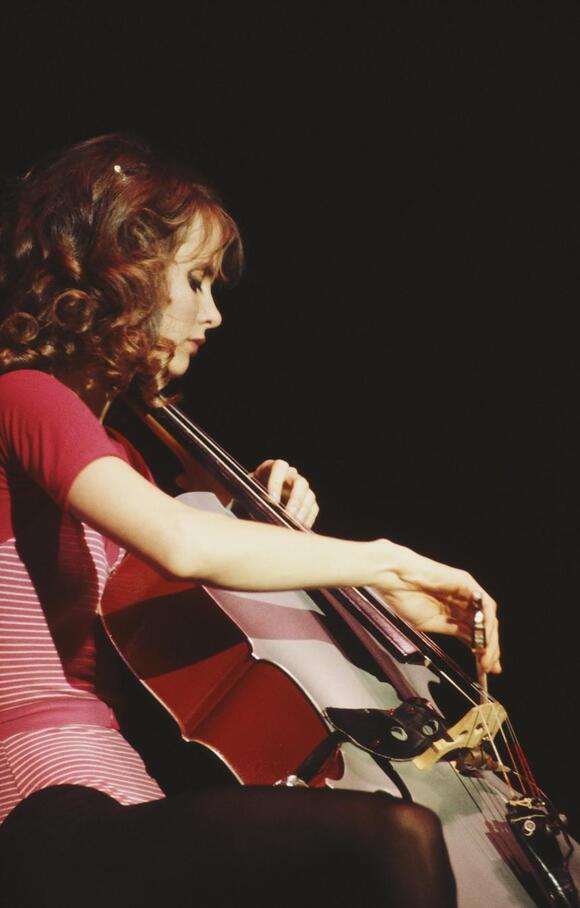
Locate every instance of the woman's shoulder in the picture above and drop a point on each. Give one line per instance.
(35, 387)
(32, 399)
(27, 380)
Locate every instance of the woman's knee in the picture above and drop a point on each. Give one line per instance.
(414, 820)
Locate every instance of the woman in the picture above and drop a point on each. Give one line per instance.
(107, 261)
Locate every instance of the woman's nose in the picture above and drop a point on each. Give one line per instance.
(211, 316)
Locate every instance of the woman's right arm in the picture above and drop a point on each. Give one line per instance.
(240, 554)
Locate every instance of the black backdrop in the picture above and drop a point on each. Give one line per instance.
(405, 177)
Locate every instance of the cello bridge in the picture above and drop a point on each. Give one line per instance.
(480, 724)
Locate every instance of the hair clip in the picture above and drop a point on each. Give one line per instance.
(131, 171)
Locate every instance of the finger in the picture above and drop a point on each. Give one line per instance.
(298, 496)
(445, 621)
(310, 518)
(276, 479)
(490, 657)
(486, 662)
(495, 648)
(487, 658)
(488, 666)
(287, 488)
(451, 626)
(262, 472)
(306, 507)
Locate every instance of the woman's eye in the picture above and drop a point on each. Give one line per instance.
(194, 282)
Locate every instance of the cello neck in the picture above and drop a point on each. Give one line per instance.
(210, 467)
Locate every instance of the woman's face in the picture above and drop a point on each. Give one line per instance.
(191, 311)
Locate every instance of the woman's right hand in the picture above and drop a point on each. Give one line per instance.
(436, 598)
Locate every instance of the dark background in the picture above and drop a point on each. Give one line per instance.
(405, 176)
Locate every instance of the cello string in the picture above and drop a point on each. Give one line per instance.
(487, 796)
(242, 476)
(481, 797)
(484, 721)
(521, 773)
(494, 803)
(482, 792)
(518, 764)
(484, 795)
(526, 769)
(251, 485)
(382, 606)
(493, 800)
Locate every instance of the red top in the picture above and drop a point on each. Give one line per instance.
(55, 724)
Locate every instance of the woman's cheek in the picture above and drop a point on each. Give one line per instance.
(175, 330)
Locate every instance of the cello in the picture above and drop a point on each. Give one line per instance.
(332, 688)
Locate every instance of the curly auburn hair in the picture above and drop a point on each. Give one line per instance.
(85, 240)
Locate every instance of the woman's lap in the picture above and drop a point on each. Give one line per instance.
(70, 845)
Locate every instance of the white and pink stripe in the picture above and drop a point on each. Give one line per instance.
(34, 676)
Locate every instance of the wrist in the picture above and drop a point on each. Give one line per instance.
(388, 563)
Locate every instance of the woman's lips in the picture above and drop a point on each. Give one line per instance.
(195, 343)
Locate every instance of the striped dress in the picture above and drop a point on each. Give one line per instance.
(56, 724)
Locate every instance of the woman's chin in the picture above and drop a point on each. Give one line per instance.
(178, 365)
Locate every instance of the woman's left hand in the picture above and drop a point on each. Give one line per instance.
(287, 487)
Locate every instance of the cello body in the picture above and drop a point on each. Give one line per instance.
(253, 676)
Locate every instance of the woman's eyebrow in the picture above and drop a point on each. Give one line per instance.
(208, 268)
(199, 264)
